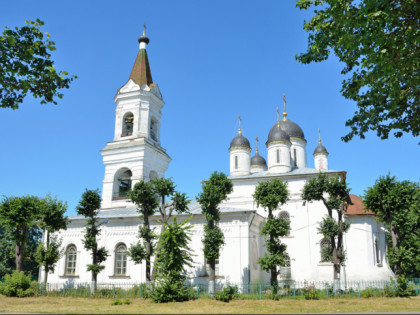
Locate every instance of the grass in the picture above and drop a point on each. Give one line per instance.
(205, 306)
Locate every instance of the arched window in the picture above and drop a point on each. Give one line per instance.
(71, 258)
(127, 125)
(216, 267)
(278, 155)
(153, 128)
(284, 215)
(325, 249)
(120, 268)
(285, 270)
(122, 184)
(294, 157)
(236, 162)
(153, 175)
(377, 253)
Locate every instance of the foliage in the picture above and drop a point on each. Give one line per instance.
(175, 256)
(51, 219)
(88, 207)
(397, 205)
(367, 293)
(378, 43)
(227, 294)
(17, 284)
(214, 191)
(144, 197)
(271, 195)
(27, 66)
(404, 288)
(18, 216)
(311, 293)
(116, 302)
(333, 193)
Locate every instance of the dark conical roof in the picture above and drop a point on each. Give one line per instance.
(141, 73)
(239, 141)
(292, 129)
(277, 134)
(258, 160)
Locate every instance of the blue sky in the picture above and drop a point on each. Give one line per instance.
(212, 60)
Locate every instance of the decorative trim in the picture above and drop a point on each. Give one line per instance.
(297, 138)
(69, 276)
(323, 153)
(119, 277)
(240, 147)
(278, 141)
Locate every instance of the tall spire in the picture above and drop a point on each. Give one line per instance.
(141, 73)
(256, 142)
(239, 119)
(319, 136)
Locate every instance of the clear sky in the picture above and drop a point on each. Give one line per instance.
(212, 61)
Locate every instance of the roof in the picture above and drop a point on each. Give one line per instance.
(239, 142)
(141, 73)
(320, 149)
(356, 207)
(131, 212)
(277, 134)
(292, 129)
(295, 172)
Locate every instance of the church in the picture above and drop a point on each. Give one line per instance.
(136, 154)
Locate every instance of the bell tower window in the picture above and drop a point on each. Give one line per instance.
(122, 184)
(294, 157)
(153, 129)
(127, 125)
(278, 155)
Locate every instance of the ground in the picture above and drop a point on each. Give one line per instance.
(206, 306)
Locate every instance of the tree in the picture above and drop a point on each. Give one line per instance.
(18, 215)
(175, 255)
(144, 197)
(165, 188)
(88, 207)
(27, 66)
(51, 220)
(271, 195)
(378, 43)
(333, 193)
(215, 190)
(397, 205)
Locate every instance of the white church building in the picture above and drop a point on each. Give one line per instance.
(136, 153)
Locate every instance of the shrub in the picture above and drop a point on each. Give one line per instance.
(367, 293)
(227, 294)
(404, 287)
(311, 293)
(168, 289)
(127, 301)
(17, 284)
(116, 302)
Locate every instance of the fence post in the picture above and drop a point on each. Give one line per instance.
(326, 290)
(198, 290)
(294, 290)
(358, 284)
(260, 292)
(89, 289)
(40, 288)
(113, 290)
(140, 287)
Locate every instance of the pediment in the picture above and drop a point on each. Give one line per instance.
(130, 86)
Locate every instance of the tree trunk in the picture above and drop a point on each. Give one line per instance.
(148, 245)
(212, 276)
(94, 274)
(46, 267)
(395, 243)
(273, 281)
(20, 251)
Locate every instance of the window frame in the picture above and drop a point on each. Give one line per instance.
(120, 260)
(71, 260)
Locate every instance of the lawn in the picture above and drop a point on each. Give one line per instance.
(206, 306)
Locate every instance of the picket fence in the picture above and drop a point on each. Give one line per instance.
(256, 290)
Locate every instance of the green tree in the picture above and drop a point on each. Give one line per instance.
(215, 190)
(333, 193)
(18, 215)
(378, 41)
(88, 207)
(175, 256)
(164, 189)
(27, 66)
(271, 195)
(51, 219)
(397, 205)
(143, 195)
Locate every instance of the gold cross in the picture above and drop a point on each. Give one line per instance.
(239, 118)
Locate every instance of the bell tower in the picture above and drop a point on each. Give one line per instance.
(135, 153)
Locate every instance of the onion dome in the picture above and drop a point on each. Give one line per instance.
(143, 38)
(141, 74)
(257, 160)
(320, 149)
(291, 128)
(239, 142)
(277, 134)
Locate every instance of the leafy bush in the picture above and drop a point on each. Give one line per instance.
(227, 294)
(169, 289)
(127, 301)
(367, 293)
(311, 293)
(116, 302)
(17, 284)
(404, 287)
